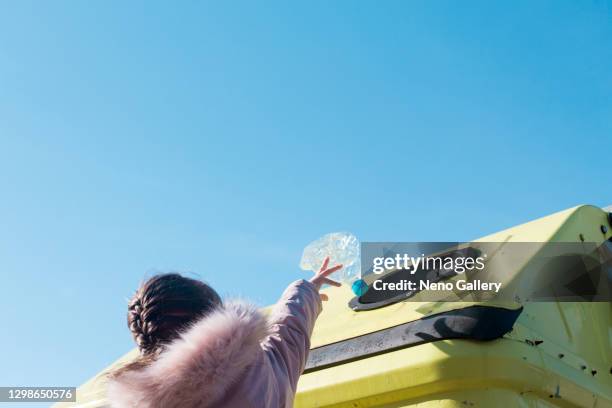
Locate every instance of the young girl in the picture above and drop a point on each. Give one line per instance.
(197, 352)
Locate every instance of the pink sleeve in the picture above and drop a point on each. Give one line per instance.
(292, 320)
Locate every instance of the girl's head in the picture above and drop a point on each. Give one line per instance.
(164, 305)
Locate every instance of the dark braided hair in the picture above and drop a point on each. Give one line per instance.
(138, 326)
(160, 309)
(163, 306)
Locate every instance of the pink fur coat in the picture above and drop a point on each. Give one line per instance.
(233, 358)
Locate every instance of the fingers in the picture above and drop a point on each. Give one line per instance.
(324, 266)
(330, 271)
(331, 282)
(321, 278)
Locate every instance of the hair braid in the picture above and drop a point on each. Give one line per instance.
(137, 322)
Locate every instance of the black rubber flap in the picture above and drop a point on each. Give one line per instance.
(475, 322)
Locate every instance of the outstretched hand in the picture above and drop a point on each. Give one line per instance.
(321, 277)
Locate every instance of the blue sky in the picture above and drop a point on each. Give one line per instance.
(218, 139)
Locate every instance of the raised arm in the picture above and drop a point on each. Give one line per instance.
(292, 320)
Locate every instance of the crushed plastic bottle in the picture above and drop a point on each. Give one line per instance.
(342, 248)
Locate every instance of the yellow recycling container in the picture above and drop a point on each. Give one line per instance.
(537, 354)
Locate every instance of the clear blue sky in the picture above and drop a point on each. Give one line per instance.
(220, 138)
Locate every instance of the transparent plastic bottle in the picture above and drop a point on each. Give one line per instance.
(342, 248)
